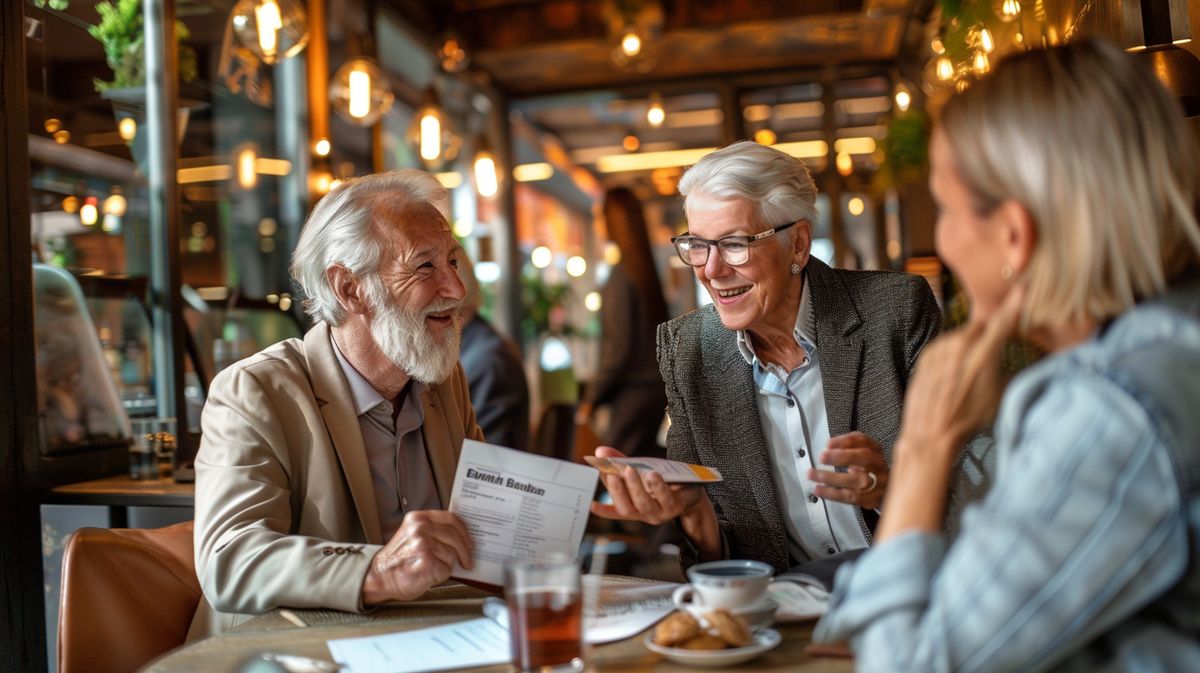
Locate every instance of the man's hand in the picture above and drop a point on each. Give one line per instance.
(649, 499)
(419, 556)
(861, 456)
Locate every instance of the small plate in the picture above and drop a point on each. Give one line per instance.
(763, 640)
(757, 616)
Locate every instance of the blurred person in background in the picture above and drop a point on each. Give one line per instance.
(632, 307)
(1067, 186)
(790, 383)
(495, 375)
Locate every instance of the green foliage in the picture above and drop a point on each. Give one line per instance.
(905, 149)
(544, 305)
(120, 32)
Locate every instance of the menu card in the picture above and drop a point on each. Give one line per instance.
(517, 505)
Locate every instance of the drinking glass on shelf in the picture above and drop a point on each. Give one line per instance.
(545, 613)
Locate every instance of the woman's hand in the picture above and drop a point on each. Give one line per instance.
(862, 457)
(649, 499)
(955, 390)
(957, 384)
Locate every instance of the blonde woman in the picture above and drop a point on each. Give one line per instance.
(1067, 184)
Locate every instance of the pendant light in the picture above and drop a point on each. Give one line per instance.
(271, 29)
(361, 92)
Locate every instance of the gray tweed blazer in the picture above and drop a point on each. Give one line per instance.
(870, 325)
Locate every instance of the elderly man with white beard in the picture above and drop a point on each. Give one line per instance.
(326, 462)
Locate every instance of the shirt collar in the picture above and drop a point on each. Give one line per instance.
(365, 396)
(804, 330)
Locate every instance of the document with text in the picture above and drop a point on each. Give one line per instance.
(518, 504)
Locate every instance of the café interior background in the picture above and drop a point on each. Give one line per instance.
(174, 202)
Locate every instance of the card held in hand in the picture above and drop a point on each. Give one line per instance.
(672, 471)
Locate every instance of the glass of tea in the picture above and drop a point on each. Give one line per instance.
(545, 613)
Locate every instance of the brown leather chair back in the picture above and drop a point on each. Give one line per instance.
(128, 595)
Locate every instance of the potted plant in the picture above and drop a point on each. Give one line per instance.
(120, 32)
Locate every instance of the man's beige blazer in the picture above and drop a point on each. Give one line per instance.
(285, 506)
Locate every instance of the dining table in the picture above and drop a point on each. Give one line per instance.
(305, 632)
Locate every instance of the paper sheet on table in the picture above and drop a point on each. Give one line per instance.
(627, 609)
(476, 642)
(672, 471)
(518, 504)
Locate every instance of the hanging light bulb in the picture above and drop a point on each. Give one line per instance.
(631, 142)
(845, 164)
(985, 40)
(88, 213)
(245, 166)
(1009, 10)
(452, 54)
(631, 43)
(576, 266)
(271, 29)
(903, 98)
(765, 136)
(70, 204)
(430, 134)
(981, 64)
(945, 69)
(322, 147)
(127, 128)
(541, 257)
(361, 92)
(487, 178)
(115, 204)
(655, 114)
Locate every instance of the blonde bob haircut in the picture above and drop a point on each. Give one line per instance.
(1098, 153)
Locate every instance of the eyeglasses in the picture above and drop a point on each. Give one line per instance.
(734, 250)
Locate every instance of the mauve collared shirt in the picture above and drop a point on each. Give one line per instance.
(400, 470)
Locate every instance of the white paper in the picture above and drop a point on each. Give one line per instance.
(477, 642)
(627, 609)
(517, 505)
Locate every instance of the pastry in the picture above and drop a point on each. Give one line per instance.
(704, 642)
(675, 629)
(730, 627)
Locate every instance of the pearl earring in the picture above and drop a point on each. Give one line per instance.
(796, 269)
(1006, 272)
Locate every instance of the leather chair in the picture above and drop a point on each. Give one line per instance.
(128, 595)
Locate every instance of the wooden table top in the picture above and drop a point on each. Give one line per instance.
(120, 490)
(225, 653)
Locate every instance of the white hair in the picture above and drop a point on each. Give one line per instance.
(340, 231)
(778, 186)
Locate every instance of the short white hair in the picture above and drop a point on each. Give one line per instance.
(778, 186)
(340, 231)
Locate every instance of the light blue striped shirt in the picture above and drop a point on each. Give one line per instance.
(1086, 525)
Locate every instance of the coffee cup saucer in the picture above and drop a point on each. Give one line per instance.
(759, 614)
(762, 641)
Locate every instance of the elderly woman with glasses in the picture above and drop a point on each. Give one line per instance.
(1067, 183)
(790, 383)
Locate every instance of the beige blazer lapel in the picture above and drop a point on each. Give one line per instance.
(337, 409)
(439, 445)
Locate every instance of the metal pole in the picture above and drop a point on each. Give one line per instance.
(162, 100)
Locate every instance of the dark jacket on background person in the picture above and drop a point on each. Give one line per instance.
(496, 379)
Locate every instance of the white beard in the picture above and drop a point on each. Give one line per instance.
(411, 345)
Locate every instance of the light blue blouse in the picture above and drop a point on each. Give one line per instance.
(1079, 556)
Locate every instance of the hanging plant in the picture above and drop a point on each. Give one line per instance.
(905, 150)
(120, 32)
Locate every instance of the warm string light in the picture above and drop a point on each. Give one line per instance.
(945, 69)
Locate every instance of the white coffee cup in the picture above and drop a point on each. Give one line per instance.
(727, 584)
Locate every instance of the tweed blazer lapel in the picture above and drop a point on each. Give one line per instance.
(337, 408)
(739, 447)
(839, 344)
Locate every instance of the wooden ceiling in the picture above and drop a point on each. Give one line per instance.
(531, 48)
